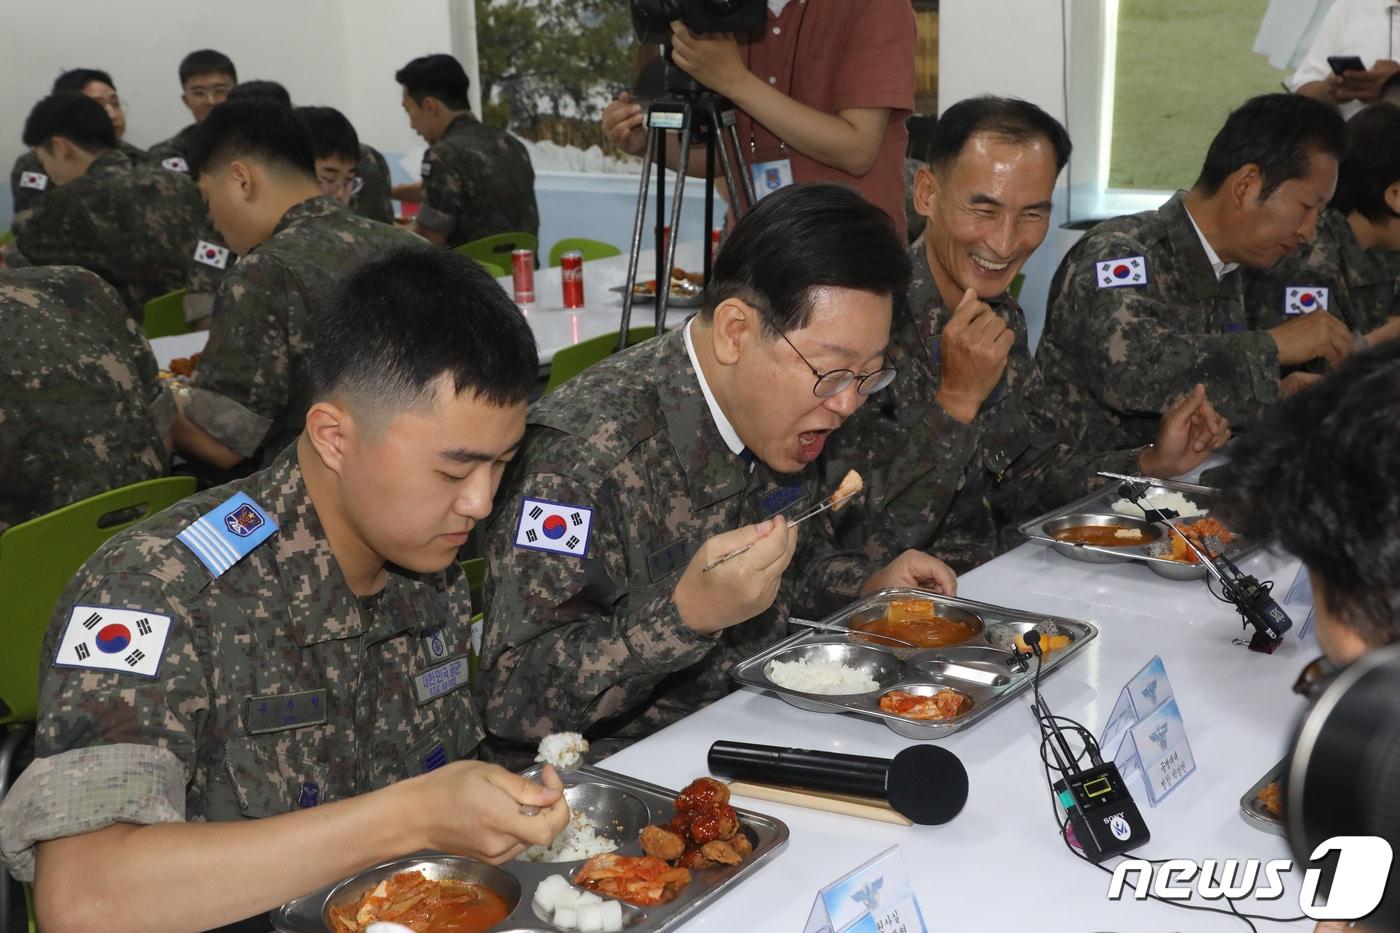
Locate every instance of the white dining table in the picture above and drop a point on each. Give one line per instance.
(1000, 864)
(555, 327)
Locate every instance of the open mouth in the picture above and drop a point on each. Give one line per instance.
(810, 444)
(986, 265)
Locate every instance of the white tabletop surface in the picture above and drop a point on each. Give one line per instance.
(555, 327)
(1000, 865)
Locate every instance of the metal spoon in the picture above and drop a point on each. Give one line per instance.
(841, 629)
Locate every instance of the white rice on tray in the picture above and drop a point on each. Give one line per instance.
(1160, 499)
(579, 840)
(816, 676)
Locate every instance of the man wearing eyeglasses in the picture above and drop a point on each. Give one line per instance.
(953, 453)
(654, 464)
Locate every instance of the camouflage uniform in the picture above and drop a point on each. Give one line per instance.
(934, 483)
(26, 194)
(212, 261)
(81, 410)
(1113, 355)
(477, 182)
(276, 686)
(373, 198)
(595, 642)
(174, 153)
(134, 225)
(252, 388)
(1360, 283)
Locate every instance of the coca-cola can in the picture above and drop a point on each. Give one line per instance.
(522, 267)
(716, 235)
(571, 275)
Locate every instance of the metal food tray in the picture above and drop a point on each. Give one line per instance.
(620, 806)
(1099, 505)
(979, 668)
(675, 301)
(1253, 812)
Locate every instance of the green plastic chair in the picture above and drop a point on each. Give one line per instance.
(571, 361)
(495, 270)
(497, 249)
(591, 249)
(165, 316)
(37, 559)
(7, 238)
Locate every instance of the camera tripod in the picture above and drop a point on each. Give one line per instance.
(691, 111)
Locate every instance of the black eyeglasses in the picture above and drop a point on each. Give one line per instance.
(835, 382)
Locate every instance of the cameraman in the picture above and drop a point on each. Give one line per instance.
(821, 93)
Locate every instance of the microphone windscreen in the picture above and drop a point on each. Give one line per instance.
(928, 784)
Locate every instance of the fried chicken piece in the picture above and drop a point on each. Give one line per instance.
(851, 484)
(701, 794)
(722, 852)
(660, 842)
(694, 859)
(720, 822)
(741, 844)
(1271, 799)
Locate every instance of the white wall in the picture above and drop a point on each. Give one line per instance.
(1013, 48)
(341, 53)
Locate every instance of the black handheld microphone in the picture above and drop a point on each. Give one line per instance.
(925, 783)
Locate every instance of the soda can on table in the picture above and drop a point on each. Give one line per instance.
(571, 277)
(522, 266)
(716, 235)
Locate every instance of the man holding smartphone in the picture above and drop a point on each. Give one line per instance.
(1352, 55)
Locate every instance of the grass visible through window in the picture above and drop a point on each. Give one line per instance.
(1182, 67)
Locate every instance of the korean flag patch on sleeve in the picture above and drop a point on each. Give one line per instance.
(36, 180)
(175, 164)
(103, 639)
(1115, 273)
(211, 254)
(1304, 299)
(556, 527)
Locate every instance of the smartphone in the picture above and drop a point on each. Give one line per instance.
(1343, 63)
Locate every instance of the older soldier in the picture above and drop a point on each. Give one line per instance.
(954, 434)
(1149, 305)
(206, 77)
(1349, 269)
(643, 471)
(476, 181)
(81, 411)
(28, 180)
(134, 225)
(255, 169)
(259, 690)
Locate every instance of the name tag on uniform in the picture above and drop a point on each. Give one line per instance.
(442, 678)
(782, 497)
(662, 562)
(1304, 299)
(36, 180)
(1115, 273)
(770, 176)
(275, 712)
(175, 164)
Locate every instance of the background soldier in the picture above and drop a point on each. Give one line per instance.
(255, 168)
(1146, 306)
(206, 77)
(476, 181)
(81, 410)
(134, 225)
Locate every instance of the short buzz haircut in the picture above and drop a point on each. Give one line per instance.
(1010, 118)
(76, 117)
(440, 76)
(1323, 481)
(1277, 133)
(331, 133)
(272, 90)
(75, 79)
(396, 325)
(803, 237)
(206, 62)
(1371, 164)
(257, 129)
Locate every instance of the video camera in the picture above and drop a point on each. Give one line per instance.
(651, 19)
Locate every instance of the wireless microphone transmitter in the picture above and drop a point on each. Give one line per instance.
(1105, 819)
